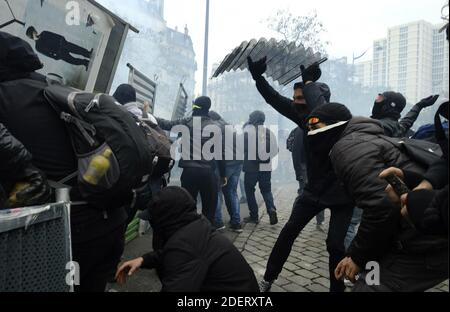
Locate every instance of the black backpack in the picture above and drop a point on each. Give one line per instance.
(422, 152)
(96, 123)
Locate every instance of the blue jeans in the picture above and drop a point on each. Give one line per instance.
(242, 187)
(351, 233)
(232, 172)
(263, 178)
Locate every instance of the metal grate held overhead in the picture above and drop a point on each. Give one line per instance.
(283, 58)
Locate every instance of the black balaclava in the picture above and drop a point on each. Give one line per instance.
(17, 58)
(320, 142)
(171, 209)
(201, 106)
(392, 107)
(125, 94)
(324, 90)
(257, 118)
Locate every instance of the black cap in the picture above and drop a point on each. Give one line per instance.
(202, 103)
(125, 94)
(331, 113)
(257, 118)
(17, 54)
(395, 100)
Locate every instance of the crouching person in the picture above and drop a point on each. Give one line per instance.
(189, 256)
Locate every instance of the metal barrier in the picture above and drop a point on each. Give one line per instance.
(35, 249)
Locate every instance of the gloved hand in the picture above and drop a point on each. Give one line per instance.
(429, 101)
(257, 68)
(311, 74)
(35, 190)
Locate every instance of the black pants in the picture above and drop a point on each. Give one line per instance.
(98, 260)
(303, 211)
(205, 182)
(406, 272)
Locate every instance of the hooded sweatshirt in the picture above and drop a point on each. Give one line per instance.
(191, 256)
(32, 120)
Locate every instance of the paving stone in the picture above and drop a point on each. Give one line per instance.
(275, 289)
(307, 274)
(294, 288)
(322, 281)
(322, 272)
(290, 266)
(281, 281)
(299, 280)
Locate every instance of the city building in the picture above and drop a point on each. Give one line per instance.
(363, 73)
(163, 54)
(413, 60)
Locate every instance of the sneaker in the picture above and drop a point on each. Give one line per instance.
(273, 218)
(236, 228)
(251, 220)
(219, 227)
(264, 286)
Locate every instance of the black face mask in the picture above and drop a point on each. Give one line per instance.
(322, 143)
(301, 110)
(384, 110)
(378, 109)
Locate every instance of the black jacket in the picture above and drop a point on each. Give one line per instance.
(399, 129)
(189, 254)
(13, 155)
(323, 189)
(198, 259)
(296, 146)
(253, 141)
(28, 116)
(358, 158)
(196, 158)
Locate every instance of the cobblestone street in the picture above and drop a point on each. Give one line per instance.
(306, 270)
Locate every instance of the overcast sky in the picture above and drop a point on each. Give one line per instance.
(351, 25)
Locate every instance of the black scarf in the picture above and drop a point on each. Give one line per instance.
(319, 146)
(385, 110)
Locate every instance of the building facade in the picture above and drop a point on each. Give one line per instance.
(413, 60)
(163, 54)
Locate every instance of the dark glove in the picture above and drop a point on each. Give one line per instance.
(257, 68)
(312, 73)
(429, 101)
(36, 192)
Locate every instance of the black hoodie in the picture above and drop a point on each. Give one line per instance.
(27, 115)
(191, 256)
(324, 189)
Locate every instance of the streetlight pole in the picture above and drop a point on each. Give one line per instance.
(205, 57)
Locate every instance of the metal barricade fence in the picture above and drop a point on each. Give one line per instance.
(35, 249)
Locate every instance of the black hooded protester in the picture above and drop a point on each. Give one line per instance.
(16, 167)
(33, 121)
(427, 204)
(259, 139)
(198, 172)
(359, 152)
(388, 108)
(189, 255)
(322, 190)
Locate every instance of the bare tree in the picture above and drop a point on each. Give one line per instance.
(304, 30)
